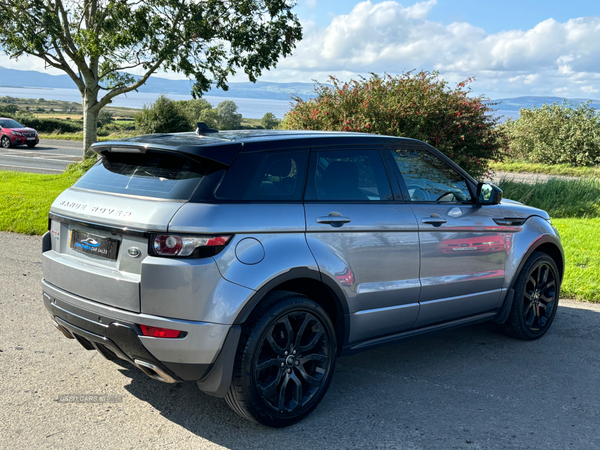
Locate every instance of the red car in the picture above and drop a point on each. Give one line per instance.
(12, 133)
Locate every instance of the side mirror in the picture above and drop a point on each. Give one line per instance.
(488, 194)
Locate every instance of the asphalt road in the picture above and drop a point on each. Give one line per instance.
(471, 388)
(50, 156)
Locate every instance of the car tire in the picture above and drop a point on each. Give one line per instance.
(5, 142)
(537, 290)
(285, 361)
(31, 145)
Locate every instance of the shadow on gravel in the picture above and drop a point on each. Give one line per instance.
(468, 388)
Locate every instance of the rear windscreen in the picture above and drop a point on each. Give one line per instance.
(157, 175)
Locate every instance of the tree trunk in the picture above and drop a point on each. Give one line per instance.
(90, 121)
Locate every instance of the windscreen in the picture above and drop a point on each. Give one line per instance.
(153, 174)
(9, 123)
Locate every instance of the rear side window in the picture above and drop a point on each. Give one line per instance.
(349, 175)
(156, 175)
(265, 176)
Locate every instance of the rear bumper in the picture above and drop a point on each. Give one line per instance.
(116, 334)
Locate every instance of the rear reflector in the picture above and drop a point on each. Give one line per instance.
(159, 332)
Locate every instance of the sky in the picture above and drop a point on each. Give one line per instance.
(511, 47)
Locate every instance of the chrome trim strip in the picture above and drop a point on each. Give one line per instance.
(387, 308)
(99, 226)
(365, 288)
(476, 294)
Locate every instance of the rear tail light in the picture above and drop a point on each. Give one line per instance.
(174, 245)
(160, 332)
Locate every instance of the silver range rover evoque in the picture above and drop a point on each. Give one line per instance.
(248, 261)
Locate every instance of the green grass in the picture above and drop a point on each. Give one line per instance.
(79, 136)
(554, 169)
(574, 206)
(561, 198)
(581, 242)
(26, 197)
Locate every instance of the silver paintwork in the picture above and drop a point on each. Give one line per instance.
(133, 212)
(389, 261)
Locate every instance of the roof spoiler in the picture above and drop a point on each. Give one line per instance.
(222, 154)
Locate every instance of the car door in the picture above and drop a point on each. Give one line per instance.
(363, 240)
(462, 248)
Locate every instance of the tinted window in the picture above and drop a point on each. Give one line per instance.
(349, 175)
(156, 175)
(9, 123)
(429, 179)
(265, 176)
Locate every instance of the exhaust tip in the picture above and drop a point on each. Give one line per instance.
(153, 372)
(63, 330)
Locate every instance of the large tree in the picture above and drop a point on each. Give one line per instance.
(96, 41)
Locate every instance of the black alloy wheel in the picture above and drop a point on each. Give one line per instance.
(535, 303)
(539, 296)
(292, 362)
(287, 360)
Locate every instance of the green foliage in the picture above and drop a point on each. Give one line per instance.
(48, 125)
(193, 109)
(269, 121)
(564, 133)
(210, 117)
(549, 169)
(162, 116)
(420, 106)
(8, 110)
(95, 42)
(228, 118)
(105, 118)
(560, 198)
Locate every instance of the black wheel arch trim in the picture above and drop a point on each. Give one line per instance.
(295, 274)
(535, 245)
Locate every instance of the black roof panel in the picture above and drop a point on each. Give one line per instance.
(225, 145)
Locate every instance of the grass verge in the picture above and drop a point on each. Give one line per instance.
(79, 136)
(555, 169)
(574, 206)
(581, 242)
(561, 198)
(26, 197)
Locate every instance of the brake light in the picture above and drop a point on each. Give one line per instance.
(159, 332)
(173, 245)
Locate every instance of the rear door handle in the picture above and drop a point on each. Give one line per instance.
(335, 219)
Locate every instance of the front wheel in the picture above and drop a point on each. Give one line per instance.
(285, 361)
(5, 142)
(537, 289)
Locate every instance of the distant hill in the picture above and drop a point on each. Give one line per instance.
(516, 103)
(259, 90)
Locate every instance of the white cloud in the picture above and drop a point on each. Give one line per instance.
(311, 4)
(551, 57)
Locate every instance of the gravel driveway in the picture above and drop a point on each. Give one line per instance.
(471, 388)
